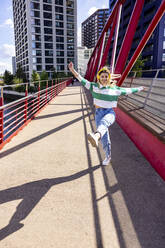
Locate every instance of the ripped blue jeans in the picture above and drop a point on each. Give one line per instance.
(104, 118)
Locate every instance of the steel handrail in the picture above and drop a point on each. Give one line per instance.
(21, 111)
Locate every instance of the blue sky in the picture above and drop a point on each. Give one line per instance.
(84, 9)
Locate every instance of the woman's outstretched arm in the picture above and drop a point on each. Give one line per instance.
(82, 80)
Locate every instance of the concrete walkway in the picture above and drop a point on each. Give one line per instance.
(54, 192)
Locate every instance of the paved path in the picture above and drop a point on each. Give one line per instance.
(54, 192)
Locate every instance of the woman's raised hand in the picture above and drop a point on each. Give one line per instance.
(70, 66)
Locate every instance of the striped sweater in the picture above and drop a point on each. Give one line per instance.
(106, 97)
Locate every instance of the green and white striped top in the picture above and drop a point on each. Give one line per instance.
(106, 97)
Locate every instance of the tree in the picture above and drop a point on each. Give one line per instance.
(44, 78)
(8, 77)
(20, 74)
(54, 73)
(44, 75)
(138, 66)
(35, 76)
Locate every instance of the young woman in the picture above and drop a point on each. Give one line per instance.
(105, 94)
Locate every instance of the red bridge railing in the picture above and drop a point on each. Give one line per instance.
(15, 115)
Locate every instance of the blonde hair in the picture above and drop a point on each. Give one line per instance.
(111, 76)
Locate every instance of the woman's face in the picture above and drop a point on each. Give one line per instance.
(104, 78)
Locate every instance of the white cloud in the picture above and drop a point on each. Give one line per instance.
(104, 6)
(92, 10)
(5, 66)
(7, 22)
(10, 8)
(7, 50)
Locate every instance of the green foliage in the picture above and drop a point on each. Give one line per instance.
(8, 77)
(138, 66)
(44, 75)
(21, 74)
(35, 76)
(61, 74)
(54, 73)
(17, 80)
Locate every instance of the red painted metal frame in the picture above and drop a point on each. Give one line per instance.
(130, 32)
(144, 40)
(149, 145)
(22, 111)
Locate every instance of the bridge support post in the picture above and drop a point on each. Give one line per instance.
(26, 104)
(1, 117)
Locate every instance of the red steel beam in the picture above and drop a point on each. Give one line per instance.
(115, 38)
(127, 42)
(106, 51)
(149, 145)
(144, 40)
(107, 25)
(97, 59)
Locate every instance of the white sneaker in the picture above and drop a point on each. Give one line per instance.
(107, 160)
(93, 139)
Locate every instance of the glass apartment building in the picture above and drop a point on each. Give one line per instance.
(154, 51)
(92, 27)
(45, 34)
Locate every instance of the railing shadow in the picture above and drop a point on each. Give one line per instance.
(143, 190)
(31, 193)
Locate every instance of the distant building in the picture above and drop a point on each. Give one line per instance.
(92, 27)
(154, 51)
(14, 65)
(45, 34)
(83, 55)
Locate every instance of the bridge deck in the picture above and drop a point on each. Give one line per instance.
(54, 193)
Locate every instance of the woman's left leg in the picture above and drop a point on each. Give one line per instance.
(103, 123)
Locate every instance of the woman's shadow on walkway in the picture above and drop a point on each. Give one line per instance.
(31, 193)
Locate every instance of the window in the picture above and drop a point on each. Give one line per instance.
(34, 5)
(39, 67)
(70, 18)
(47, 7)
(48, 46)
(49, 53)
(48, 30)
(48, 23)
(59, 39)
(49, 60)
(47, 15)
(48, 38)
(60, 60)
(60, 53)
(70, 47)
(59, 32)
(163, 57)
(34, 52)
(48, 67)
(34, 60)
(38, 53)
(58, 9)
(70, 40)
(70, 33)
(70, 25)
(47, 1)
(69, 11)
(59, 17)
(69, 3)
(59, 24)
(163, 44)
(59, 2)
(60, 67)
(70, 54)
(60, 46)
